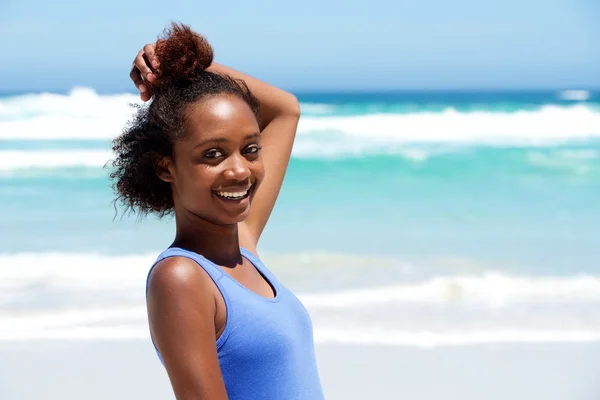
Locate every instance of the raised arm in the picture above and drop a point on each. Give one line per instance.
(181, 313)
(280, 113)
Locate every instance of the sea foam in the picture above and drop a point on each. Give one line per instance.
(80, 296)
(84, 114)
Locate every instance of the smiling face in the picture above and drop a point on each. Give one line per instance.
(216, 168)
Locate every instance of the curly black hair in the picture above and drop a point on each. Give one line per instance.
(181, 80)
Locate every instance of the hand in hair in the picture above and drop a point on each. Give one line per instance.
(183, 54)
(142, 70)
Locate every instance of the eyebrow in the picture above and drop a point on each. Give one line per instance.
(223, 139)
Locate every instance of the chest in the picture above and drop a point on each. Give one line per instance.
(268, 330)
(249, 277)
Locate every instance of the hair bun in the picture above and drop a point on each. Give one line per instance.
(182, 54)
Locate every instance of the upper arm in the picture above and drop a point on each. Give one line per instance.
(277, 141)
(181, 311)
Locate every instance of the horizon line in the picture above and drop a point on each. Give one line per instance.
(323, 90)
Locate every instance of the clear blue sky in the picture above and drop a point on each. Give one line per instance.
(312, 44)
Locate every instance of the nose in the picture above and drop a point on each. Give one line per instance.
(237, 168)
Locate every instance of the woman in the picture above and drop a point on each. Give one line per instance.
(212, 148)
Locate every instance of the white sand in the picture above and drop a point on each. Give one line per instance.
(130, 370)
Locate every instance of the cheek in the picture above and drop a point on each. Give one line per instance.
(259, 177)
(258, 171)
(195, 182)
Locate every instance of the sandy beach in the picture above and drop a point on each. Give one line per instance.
(129, 370)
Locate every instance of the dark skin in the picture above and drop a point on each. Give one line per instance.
(223, 152)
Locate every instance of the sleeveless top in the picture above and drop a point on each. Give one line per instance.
(266, 350)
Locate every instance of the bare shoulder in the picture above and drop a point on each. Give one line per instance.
(176, 272)
(179, 276)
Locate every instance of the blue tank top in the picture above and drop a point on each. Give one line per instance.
(266, 350)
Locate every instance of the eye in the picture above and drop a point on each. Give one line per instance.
(252, 149)
(213, 153)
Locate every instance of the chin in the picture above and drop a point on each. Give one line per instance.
(230, 211)
(229, 218)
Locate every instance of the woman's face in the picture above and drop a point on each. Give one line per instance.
(217, 167)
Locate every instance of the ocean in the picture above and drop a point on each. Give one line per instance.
(407, 219)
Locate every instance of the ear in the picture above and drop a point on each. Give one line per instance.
(163, 169)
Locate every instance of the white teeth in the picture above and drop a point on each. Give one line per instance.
(233, 195)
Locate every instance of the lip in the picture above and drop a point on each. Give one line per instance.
(233, 189)
(242, 202)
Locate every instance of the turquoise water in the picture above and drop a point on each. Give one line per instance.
(516, 204)
(418, 181)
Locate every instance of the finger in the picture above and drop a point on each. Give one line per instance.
(151, 55)
(145, 96)
(149, 77)
(136, 77)
(141, 65)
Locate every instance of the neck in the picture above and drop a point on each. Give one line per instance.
(218, 243)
